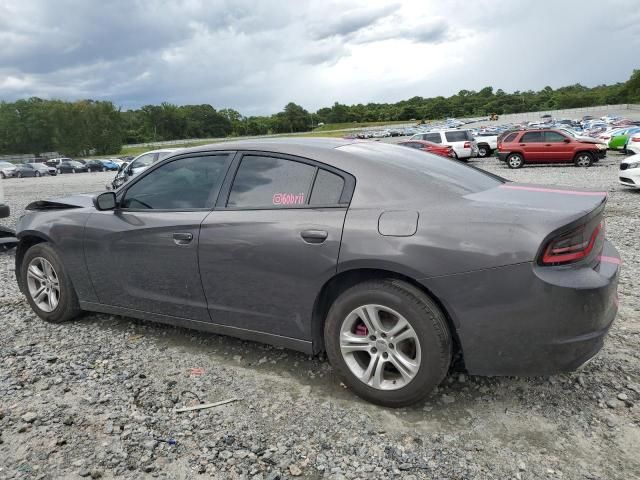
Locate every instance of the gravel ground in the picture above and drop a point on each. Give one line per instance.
(95, 397)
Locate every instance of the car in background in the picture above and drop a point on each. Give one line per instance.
(548, 146)
(138, 165)
(619, 140)
(7, 170)
(629, 172)
(99, 165)
(430, 147)
(54, 162)
(462, 141)
(72, 166)
(633, 144)
(34, 170)
(290, 242)
(487, 143)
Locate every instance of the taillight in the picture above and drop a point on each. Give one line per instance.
(635, 139)
(573, 246)
(467, 144)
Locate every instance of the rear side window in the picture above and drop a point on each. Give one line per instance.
(268, 182)
(458, 136)
(432, 137)
(510, 138)
(327, 189)
(531, 137)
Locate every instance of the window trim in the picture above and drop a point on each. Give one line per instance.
(121, 194)
(225, 191)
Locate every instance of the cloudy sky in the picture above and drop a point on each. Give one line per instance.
(255, 56)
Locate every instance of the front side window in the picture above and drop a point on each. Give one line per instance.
(269, 182)
(531, 137)
(554, 137)
(184, 184)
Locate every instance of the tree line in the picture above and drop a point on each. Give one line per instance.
(35, 125)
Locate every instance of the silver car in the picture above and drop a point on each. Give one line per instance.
(138, 165)
(7, 170)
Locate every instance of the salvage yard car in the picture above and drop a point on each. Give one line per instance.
(629, 174)
(549, 146)
(295, 242)
(138, 165)
(7, 170)
(34, 170)
(462, 141)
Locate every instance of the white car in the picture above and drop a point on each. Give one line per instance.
(462, 141)
(629, 174)
(633, 144)
(486, 144)
(139, 165)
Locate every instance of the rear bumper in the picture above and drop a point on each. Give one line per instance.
(529, 320)
(502, 156)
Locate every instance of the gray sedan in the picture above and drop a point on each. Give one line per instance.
(393, 261)
(7, 170)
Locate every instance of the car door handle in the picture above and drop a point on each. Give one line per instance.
(547, 144)
(523, 144)
(314, 236)
(182, 238)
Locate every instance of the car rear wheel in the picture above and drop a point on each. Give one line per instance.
(47, 286)
(73, 170)
(19, 175)
(3, 175)
(388, 342)
(104, 169)
(37, 174)
(583, 159)
(515, 160)
(483, 151)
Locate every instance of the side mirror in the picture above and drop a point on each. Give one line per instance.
(566, 140)
(105, 201)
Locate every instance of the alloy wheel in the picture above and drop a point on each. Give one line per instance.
(380, 347)
(515, 161)
(43, 284)
(583, 161)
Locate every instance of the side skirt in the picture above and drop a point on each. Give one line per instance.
(303, 346)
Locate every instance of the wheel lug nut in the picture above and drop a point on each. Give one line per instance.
(383, 335)
(385, 355)
(391, 345)
(372, 337)
(374, 350)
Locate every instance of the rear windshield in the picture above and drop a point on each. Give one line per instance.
(458, 136)
(432, 171)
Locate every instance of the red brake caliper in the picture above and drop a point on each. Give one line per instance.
(361, 329)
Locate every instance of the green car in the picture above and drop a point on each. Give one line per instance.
(620, 137)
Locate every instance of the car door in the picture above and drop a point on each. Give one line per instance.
(268, 249)
(144, 254)
(556, 148)
(533, 147)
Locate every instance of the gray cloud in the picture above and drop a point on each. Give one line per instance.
(255, 56)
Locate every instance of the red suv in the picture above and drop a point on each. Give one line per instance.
(548, 146)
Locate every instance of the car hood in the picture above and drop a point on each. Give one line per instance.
(74, 201)
(589, 140)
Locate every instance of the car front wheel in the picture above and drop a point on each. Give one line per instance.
(47, 286)
(483, 151)
(388, 342)
(515, 160)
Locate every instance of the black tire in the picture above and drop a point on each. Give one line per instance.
(104, 169)
(423, 315)
(37, 174)
(19, 175)
(3, 175)
(583, 159)
(68, 306)
(73, 170)
(483, 151)
(515, 160)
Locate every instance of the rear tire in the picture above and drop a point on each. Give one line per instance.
(423, 342)
(73, 170)
(515, 160)
(583, 159)
(3, 175)
(483, 151)
(37, 174)
(66, 307)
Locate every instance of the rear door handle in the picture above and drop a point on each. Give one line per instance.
(314, 236)
(547, 144)
(182, 238)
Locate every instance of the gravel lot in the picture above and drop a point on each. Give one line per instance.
(90, 398)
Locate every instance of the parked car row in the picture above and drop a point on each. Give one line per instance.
(57, 166)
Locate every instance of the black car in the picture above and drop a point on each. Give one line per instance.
(72, 166)
(95, 166)
(34, 170)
